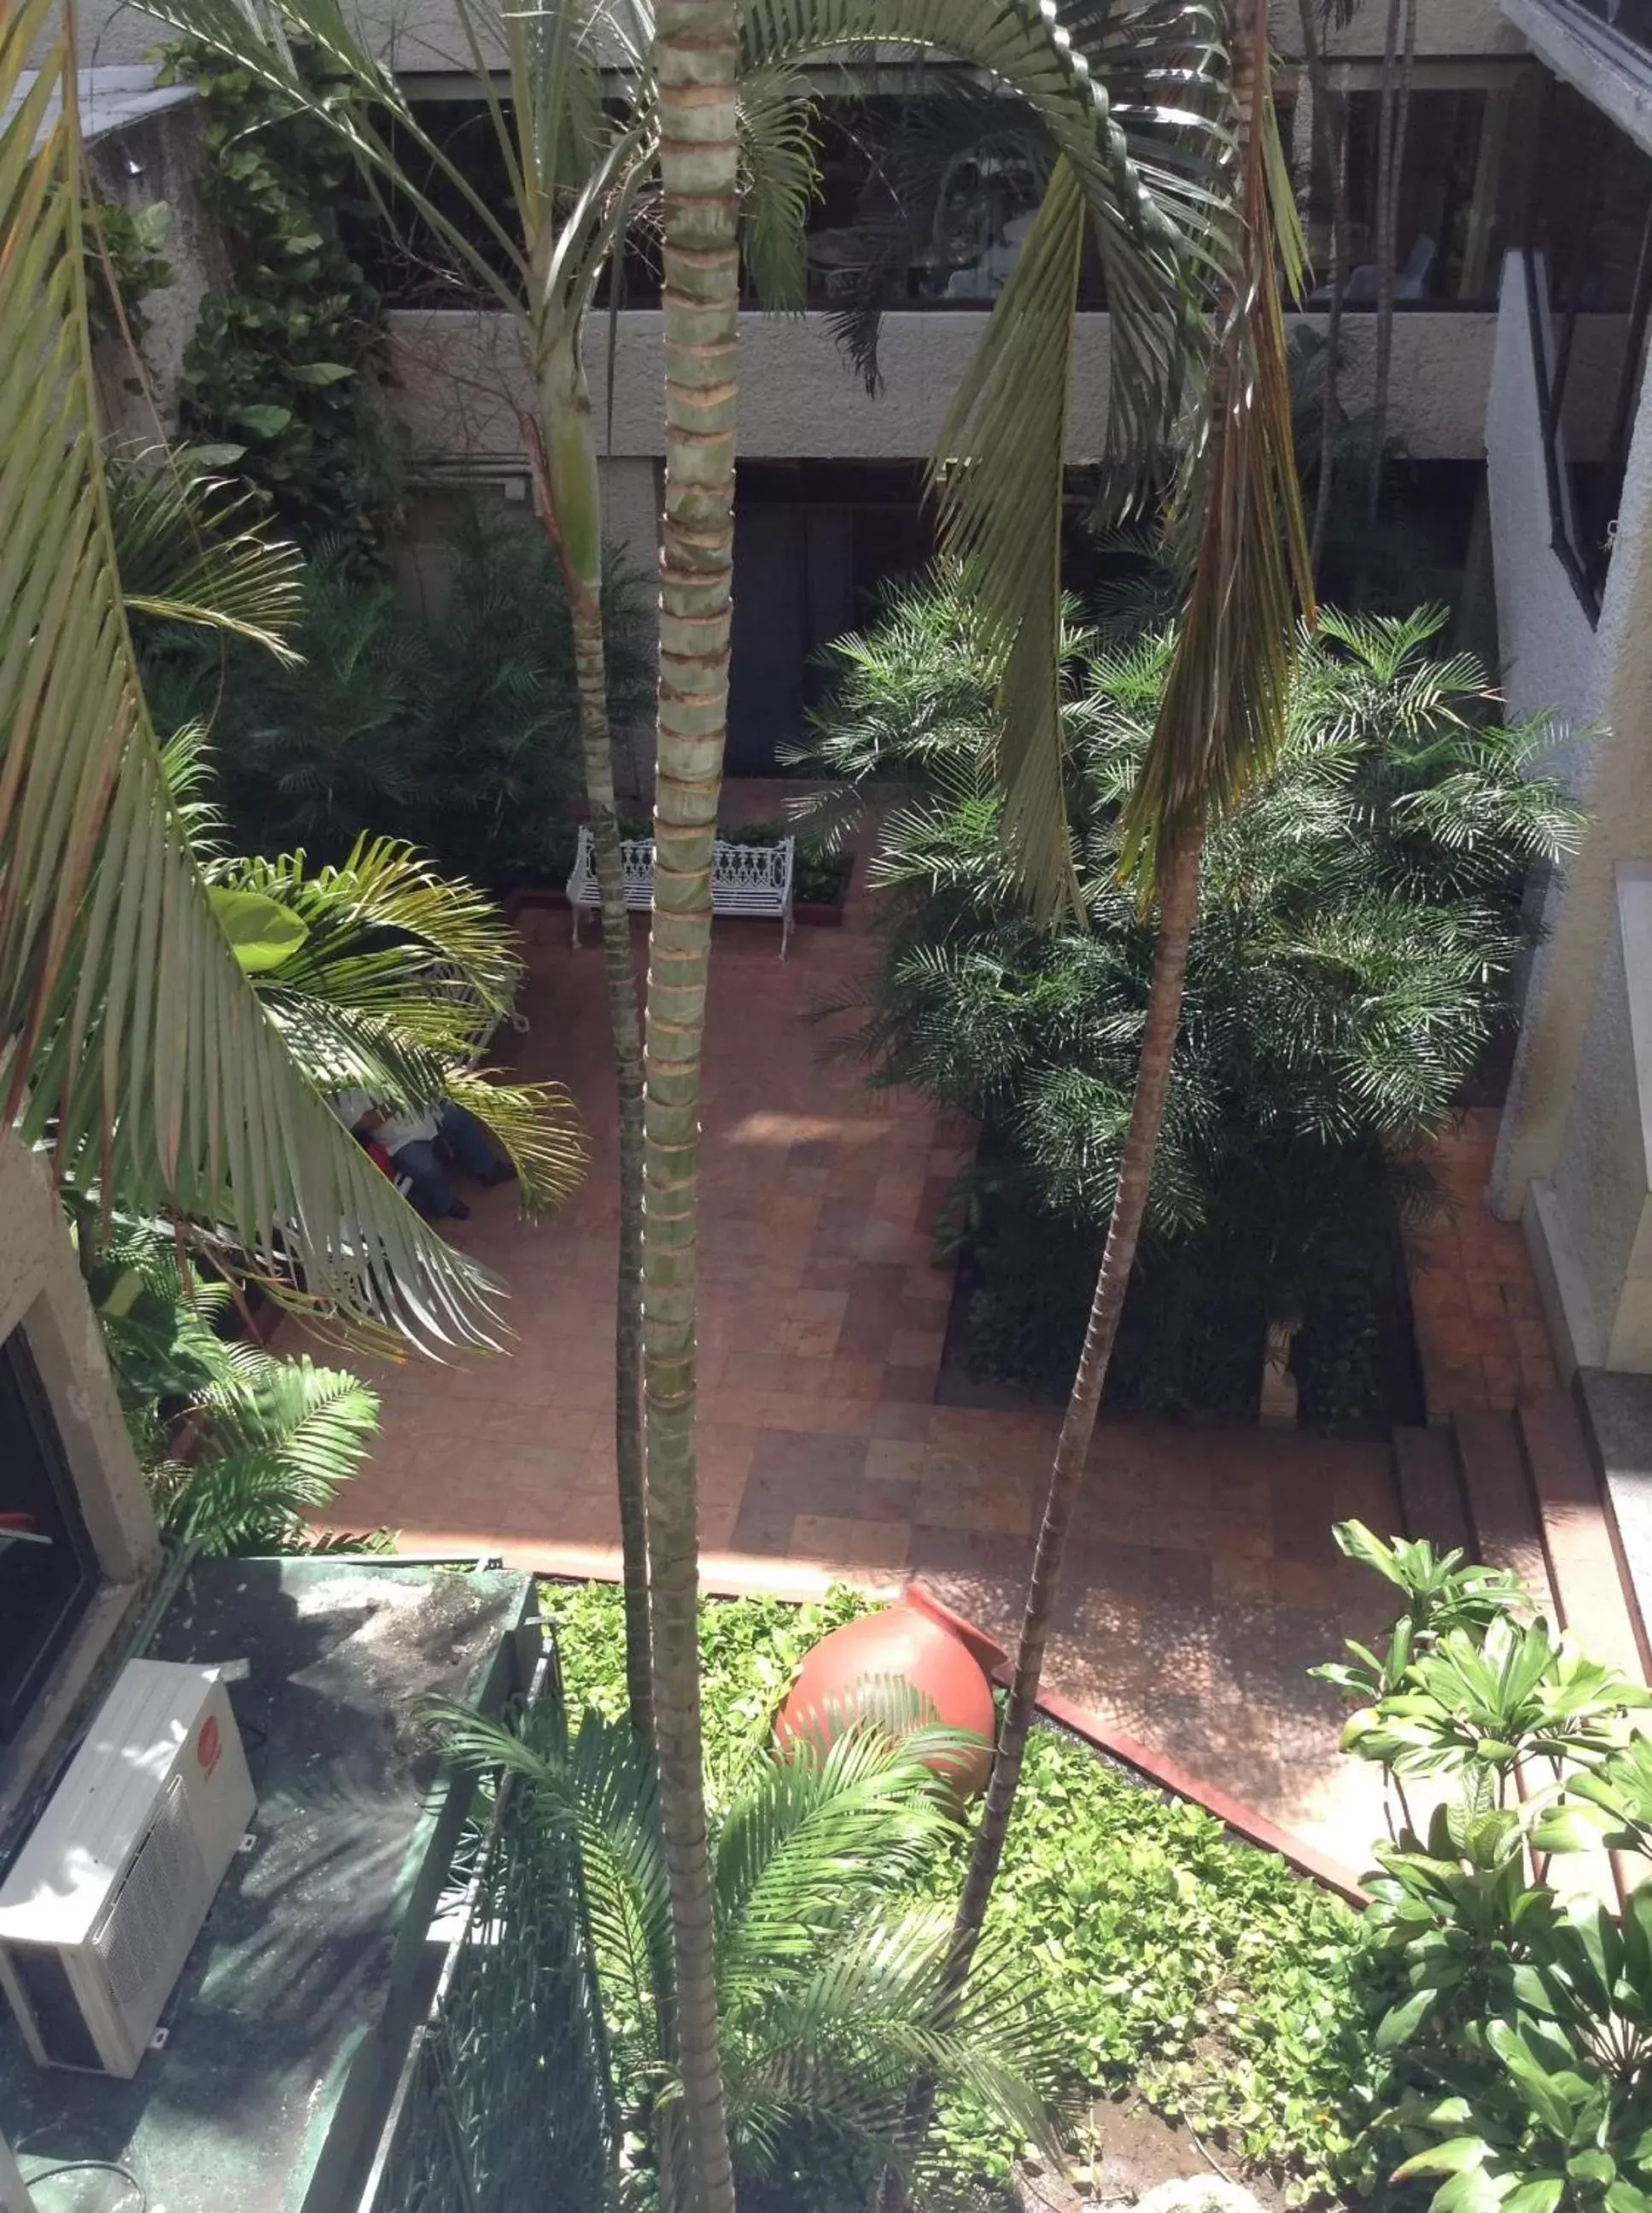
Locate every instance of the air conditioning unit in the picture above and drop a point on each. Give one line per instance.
(99, 1911)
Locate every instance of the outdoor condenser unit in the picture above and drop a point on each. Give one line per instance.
(99, 1911)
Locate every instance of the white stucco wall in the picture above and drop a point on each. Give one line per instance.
(459, 386)
(1572, 1156)
(1599, 1182)
(158, 160)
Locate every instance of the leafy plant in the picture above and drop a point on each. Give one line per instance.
(826, 1964)
(125, 261)
(1357, 933)
(285, 363)
(266, 1439)
(1520, 2042)
(454, 729)
(1174, 1963)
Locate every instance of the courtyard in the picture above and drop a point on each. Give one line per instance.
(1202, 1581)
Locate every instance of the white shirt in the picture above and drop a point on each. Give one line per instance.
(395, 1130)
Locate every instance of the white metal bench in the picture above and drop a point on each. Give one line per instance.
(745, 880)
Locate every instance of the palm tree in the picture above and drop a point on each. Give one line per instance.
(1220, 722)
(134, 1046)
(826, 1967)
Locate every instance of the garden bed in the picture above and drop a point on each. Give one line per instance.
(1194, 1333)
(1191, 1975)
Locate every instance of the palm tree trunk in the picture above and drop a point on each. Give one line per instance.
(1178, 878)
(1331, 128)
(696, 49)
(563, 453)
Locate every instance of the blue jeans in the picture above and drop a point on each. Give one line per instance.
(424, 1161)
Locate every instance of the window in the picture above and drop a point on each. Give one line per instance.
(1589, 294)
(1630, 18)
(1453, 188)
(47, 1567)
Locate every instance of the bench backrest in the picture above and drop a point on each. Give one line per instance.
(755, 877)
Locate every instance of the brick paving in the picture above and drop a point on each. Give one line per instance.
(1203, 1580)
(1479, 1322)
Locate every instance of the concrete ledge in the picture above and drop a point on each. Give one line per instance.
(1617, 1411)
(1560, 1282)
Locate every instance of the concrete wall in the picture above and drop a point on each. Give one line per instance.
(41, 1293)
(158, 159)
(459, 386)
(423, 35)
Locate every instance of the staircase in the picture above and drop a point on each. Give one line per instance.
(1522, 1490)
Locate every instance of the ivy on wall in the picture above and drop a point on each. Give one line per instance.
(125, 261)
(287, 364)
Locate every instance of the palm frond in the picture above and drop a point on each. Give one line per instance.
(132, 1041)
(275, 1441)
(189, 548)
(782, 182)
(539, 1128)
(1222, 719)
(600, 1787)
(1001, 520)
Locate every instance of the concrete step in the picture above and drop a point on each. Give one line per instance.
(1501, 1508)
(1584, 1571)
(1430, 1486)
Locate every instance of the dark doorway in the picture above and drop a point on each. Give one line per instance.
(815, 544)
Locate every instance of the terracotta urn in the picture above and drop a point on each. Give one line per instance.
(849, 1672)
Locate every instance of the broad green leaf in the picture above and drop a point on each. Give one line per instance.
(262, 933)
(263, 418)
(319, 372)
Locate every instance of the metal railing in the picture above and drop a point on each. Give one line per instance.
(502, 2103)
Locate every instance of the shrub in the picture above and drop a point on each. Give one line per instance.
(455, 730)
(1358, 932)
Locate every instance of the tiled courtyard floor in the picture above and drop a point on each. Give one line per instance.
(1202, 1581)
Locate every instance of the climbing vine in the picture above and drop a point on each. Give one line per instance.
(288, 361)
(125, 262)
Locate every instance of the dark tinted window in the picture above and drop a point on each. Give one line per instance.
(47, 1568)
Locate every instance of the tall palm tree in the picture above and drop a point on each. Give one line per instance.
(1219, 723)
(131, 1043)
(696, 55)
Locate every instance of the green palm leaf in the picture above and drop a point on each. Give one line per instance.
(189, 550)
(133, 1044)
(1222, 716)
(277, 1438)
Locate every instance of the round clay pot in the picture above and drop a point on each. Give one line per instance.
(848, 1673)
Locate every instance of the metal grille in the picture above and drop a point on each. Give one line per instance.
(148, 1924)
(503, 2102)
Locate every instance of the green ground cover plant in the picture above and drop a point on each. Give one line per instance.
(1178, 1962)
